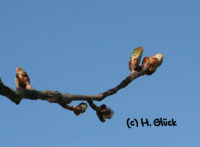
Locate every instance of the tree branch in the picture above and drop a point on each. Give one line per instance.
(26, 91)
(62, 99)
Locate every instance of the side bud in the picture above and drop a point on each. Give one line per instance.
(104, 113)
(137, 53)
(21, 79)
(80, 108)
(145, 62)
(135, 58)
(22, 76)
(108, 114)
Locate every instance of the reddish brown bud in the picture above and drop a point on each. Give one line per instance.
(146, 58)
(22, 78)
(152, 63)
(19, 70)
(145, 62)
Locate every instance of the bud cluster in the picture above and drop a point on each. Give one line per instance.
(148, 64)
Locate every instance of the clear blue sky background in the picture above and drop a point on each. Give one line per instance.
(83, 47)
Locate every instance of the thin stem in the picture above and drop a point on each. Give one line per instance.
(112, 91)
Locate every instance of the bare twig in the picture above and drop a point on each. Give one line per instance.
(62, 99)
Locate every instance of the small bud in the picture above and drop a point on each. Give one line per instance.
(19, 72)
(80, 108)
(83, 106)
(152, 63)
(135, 59)
(19, 69)
(108, 114)
(104, 113)
(137, 53)
(155, 61)
(22, 77)
(160, 59)
(145, 62)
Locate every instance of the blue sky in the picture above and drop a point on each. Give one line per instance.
(84, 47)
